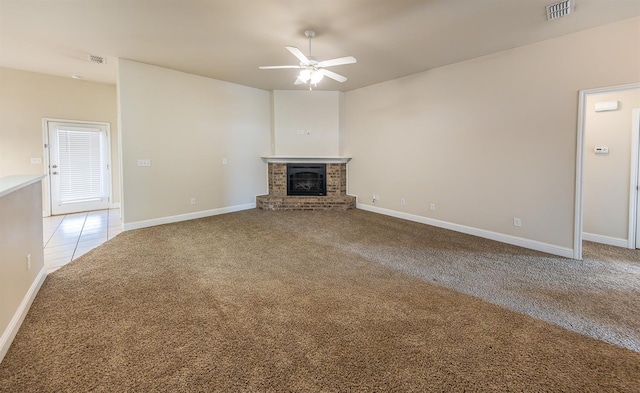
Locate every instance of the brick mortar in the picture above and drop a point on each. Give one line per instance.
(336, 198)
(267, 202)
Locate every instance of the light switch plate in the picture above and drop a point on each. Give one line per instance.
(606, 106)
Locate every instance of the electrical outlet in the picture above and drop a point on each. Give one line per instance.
(376, 198)
(28, 261)
(432, 206)
(517, 222)
(402, 201)
(194, 201)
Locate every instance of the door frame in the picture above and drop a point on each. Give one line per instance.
(46, 192)
(579, 193)
(635, 180)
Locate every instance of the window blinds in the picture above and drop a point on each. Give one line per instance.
(80, 161)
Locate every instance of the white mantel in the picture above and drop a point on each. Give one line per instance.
(307, 160)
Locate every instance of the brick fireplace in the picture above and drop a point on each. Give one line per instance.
(336, 197)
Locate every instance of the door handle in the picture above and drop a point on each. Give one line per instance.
(54, 166)
(54, 173)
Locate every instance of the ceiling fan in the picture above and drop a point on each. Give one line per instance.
(313, 70)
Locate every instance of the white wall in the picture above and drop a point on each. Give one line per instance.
(307, 123)
(186, 125)
(607, 177)
(28, 97)
(488, 139)
(20, 235)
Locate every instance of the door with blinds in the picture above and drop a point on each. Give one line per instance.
(78, 167)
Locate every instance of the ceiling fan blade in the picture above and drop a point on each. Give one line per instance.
(333, 75)
(298, 82)
(297, 53)
(338, 61)
(278, 67)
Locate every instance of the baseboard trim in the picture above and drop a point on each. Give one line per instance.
(500, 237)
(16, 321)
(185, 217)
(612, 241)
(114, 205)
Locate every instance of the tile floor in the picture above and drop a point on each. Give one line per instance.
(70, 236)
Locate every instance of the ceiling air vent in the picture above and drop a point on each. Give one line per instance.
(558, 10)
(97, 59)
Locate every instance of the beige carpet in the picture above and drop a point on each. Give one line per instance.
(313, 301)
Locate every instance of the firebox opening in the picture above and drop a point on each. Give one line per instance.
(306, 179)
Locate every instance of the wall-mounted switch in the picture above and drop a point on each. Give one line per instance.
(36, 160)
(606, 106)
(144, 162)
(224, 161)
(601, 150)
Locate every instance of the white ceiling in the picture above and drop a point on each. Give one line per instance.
(229, 39)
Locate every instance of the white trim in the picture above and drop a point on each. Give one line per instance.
(12, 329)
(114, 205)
(184, 217)
(578, 202)
(46, 186)
(633, 181)
(612, 241)
(579, 205)
(635, 163)
(500, 237)
(307, 160)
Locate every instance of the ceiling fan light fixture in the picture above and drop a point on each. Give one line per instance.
(316, 77)
(305, 75)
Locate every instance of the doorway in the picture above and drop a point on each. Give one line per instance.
(626, 236)
(78, 162)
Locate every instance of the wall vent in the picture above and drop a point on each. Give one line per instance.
(97, 59)
(558, 10)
